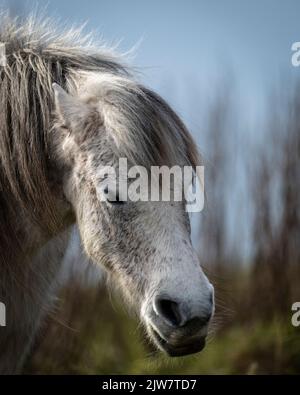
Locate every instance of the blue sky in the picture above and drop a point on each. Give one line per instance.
(193, 39)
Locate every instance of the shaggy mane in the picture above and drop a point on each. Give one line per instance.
(37, 54)
(144, 127)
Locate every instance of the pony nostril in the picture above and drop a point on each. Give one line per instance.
(180, 315)
(169, 311)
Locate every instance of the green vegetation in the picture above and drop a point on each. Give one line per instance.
(89, 336)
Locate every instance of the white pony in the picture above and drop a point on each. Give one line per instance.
(54, 139)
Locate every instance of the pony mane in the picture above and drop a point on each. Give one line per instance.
(37, 54)
(144, 127)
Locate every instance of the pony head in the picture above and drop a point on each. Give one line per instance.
(145, 246)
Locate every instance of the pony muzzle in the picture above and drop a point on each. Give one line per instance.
(178, 327)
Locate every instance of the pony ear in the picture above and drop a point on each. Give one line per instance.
(71, 109)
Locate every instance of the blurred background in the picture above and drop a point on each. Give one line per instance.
(225, 67)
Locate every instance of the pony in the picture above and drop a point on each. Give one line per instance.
(68, 108)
